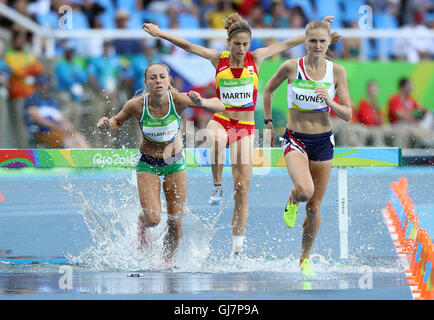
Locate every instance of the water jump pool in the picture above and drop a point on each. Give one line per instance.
(70, 233)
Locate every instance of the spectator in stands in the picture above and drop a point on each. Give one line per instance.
(24, 66)
(187, 14)
(104, 73)
(214, 19)
(4, 73)
(47, 17)
(297, 20)
(223, 8)
(79, 22)
(46, 124)
(93, 11)
(278, 17)
(351, 45)
(297, 17)
(410, 8)
(420, 46)
(70, 80)
(21, 7)
(416, 123)
(256, 17)
(159, 6)
(125, 46)
(369, 113)
(130, 5)
(170, 48)
(107, 78)
(256, 20)
(402, 107)
(4, 116)
(141, 61)
(95, 44)
(245, 7)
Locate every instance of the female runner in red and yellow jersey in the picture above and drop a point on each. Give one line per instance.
(237, 83)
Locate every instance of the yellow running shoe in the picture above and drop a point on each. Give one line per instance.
(306, 268)
(290, 214)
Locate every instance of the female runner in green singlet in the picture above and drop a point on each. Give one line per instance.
(158, 111)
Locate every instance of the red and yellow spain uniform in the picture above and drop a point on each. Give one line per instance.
(237, 89)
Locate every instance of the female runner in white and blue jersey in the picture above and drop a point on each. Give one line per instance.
(236, 70)
(308, 142)
(161, 152)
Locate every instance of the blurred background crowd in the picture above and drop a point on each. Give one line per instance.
(82, 80)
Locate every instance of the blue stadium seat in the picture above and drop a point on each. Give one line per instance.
(337, 48)
(351, 10)
(129, 5)
(108, 20)
(189, 21)
(49, 20)
(372, 48)
(429, 17)
(304, 4)
(136, 20)
(266, 4)
(79, 20)
(107, 5)
(385, 21)
(328, 8)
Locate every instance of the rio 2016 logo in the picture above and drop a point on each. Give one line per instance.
(113, 160)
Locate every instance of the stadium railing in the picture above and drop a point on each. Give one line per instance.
(50, 35)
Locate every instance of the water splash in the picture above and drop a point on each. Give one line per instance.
(114, 229)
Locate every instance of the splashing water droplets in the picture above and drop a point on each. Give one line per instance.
(114, 230)
(111, 216)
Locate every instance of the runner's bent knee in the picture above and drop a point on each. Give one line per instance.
(150, 217)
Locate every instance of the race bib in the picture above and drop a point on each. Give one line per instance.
(163, 133)
(304, 96)
(236, 92)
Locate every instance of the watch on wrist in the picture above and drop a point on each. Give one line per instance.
(268, 120)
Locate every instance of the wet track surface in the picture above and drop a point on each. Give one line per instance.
(77, 230)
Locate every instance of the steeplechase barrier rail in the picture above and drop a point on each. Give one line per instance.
(199, 157)
(412, 242)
